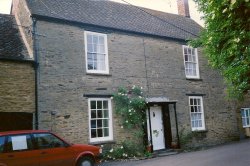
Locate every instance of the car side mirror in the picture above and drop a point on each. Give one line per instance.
(66, 145)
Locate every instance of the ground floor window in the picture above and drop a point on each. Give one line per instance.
(245, 114)
(100, 120)
(196, 113)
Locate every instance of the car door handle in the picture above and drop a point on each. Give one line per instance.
(10, 156)
(43, 152)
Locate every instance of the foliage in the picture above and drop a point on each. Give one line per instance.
(185, 137)
(130, 105)
(148, 154)
(127, 149)
(226, 41)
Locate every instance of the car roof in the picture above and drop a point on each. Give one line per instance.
(21, 132)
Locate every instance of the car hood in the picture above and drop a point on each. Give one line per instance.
(86, 147)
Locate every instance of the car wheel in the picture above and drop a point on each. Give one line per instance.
(85, 161)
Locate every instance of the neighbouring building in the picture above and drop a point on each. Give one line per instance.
(87, 49)
(17, 79)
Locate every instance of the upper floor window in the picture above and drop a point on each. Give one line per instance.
(245, 114)
(96, 53)
(191, 62)
(100, 120)
(196, 113)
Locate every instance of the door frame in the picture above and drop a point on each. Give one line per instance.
(167, 132)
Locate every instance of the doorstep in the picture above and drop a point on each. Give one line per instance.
(165, 152)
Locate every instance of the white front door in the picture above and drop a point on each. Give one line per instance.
(157, 130)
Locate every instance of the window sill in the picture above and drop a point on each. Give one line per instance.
(102, 142)
(99, 74)
(194, 79)
(200, 131)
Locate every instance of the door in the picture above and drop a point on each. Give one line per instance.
(53, 151)
(16, 121)
(157, 130)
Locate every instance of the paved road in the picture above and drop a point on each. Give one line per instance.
(236, 154)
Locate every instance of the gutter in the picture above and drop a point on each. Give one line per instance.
(17, 59)
(36, 65)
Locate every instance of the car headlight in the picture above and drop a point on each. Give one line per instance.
(100, 150)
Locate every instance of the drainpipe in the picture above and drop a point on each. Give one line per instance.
(36, 70)
(177, 130)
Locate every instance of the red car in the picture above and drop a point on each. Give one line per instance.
(43, 148)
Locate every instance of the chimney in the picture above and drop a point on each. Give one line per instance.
(14, 6)
(183, 8)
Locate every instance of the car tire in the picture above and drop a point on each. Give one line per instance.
(85, 161)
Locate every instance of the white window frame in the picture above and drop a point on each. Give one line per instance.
(106, 71)
(202, 113)
(244, 113)
(197, 76)
(101, 139)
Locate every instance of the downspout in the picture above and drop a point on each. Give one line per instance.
(177, 130)
(36, 70)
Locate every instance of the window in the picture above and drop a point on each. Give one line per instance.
(46, 140)
(100, 120)
(2, 139)
(245, 114)
(19, 143)
(196, 113)
(96, 53)
(191, 62)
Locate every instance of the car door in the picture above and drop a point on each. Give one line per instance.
(18, 150)
(53, 151)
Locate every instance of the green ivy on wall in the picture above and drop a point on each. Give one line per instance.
(130, 106)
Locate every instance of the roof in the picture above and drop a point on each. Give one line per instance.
(11, 44)
(117, 16)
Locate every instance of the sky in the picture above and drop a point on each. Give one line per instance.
(5, 6)
(169, 6)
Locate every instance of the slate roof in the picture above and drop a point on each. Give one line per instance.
(118, 16)
(11, 44)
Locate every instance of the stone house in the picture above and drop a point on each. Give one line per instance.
(17, 79)
(87, 49)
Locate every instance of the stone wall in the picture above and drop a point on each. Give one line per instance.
(17, 87)
(153, 63)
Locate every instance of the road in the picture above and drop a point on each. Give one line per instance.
(235, 154)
